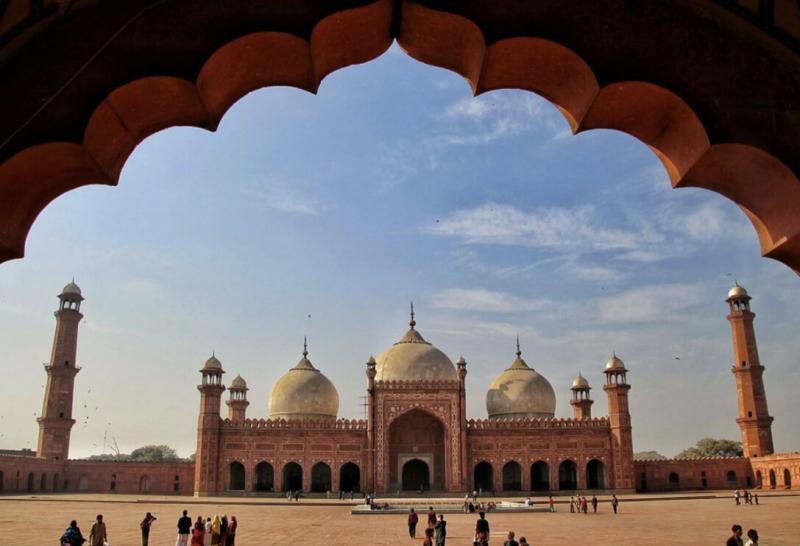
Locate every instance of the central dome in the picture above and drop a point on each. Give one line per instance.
(519, 393)
(413, 359)
(303, 393)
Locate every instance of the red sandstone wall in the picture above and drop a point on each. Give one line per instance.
(779, 471)
(94, 476)
(683, 474)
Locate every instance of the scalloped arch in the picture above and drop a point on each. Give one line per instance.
(767, 190)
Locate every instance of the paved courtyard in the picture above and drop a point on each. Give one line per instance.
(696, 520)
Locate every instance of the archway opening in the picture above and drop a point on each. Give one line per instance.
(236, 479)
(43, 482)
(30, 482)
(730, 479)
(349, 478)
(595, 475)
(759, 480)
(83, 483)
(483, 477)
(113, 485)
(772, 480)
(673, 481)
(2, 481)
(416, 476)
(417, 434)
(292, 477)
(787, 478)
(265, 477)
(568, 476)
(512, 476)
(540, 476)
(144, 484)
(320, 478)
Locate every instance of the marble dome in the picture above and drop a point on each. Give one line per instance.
(303, 393)
(520, 392)
(737, 291)
(412, 359)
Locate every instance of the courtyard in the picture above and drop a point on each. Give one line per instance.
(642, 520)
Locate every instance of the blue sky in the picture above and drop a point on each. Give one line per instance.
(326, 215)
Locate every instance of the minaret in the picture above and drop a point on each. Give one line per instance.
(56, 420)
(237, 403)
(208, 429)
(461, 365)
(754, 419)
(619, 419)
(581, 400)
(371, 373)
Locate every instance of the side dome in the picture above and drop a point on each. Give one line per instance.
(304, 393)
(519, 393)
(238, 383)
(614, 363)
(212, 363)
(580, 382)
(413, 359)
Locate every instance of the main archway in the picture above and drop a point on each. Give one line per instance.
(78, 126)
(416, 476)
(417, 435)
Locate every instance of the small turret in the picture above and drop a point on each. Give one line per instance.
(237, 401)
(581, 400)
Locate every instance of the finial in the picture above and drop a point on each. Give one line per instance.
(73, 279)
(412, 322)
(213, 354)
(519, 352)
(305, 346)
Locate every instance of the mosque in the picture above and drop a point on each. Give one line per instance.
(416, 437)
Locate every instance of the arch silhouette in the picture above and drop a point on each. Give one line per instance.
(699, 132)
(787, 478)
(265, 477)
(483, 477)
(144, 484)
(292, 477)
(730, 479)
(673, 481)
(512, 476)
(568, 476)
(540, 476)
(595, 474)
(416, 476)
(350, 477)
(320, 478)
(772, 480)
(236, 476)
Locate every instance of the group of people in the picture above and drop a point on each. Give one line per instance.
(749, 498)
(72, 536)
(293, 495)
(470, 507)
(436, 530)
(736, 537)
(216, 531)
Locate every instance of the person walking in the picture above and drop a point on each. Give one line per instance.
(736, 537)
(736, 496)
(752, 536)
(431, 517)
(413, 518)
(551, 503)
(614, 503)
(428, 537)
(215, 529)
(441, 530)
(184, 529)
(594, 504)
(572, 505)
(72, 535)
(584, 505)
(198, 532)
(223, 530)
(145, 525)
(207, 533)
(98, 536)
(482, 529)
(755, 497)
(511, 541)
(232, 531)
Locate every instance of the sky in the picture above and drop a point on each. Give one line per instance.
(325, 216)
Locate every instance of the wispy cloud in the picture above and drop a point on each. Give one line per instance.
(281, 196)
(650, 303)
(460, 299)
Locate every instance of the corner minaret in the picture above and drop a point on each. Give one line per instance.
(581, 400)
(619, 419)
(208, 429)
(237, 403)
(55, 422)
(754, 419)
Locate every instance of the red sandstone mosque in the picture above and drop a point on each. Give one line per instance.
(416, 436)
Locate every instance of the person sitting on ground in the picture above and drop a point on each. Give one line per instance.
(736, 538)
(752, 536)
(511, 541)
(72, 535)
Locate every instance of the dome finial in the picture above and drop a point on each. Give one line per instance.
(305, 346)
(412, 322)
(519, 352)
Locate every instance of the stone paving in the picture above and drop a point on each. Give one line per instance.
(643, 520)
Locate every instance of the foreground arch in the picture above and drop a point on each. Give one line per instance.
(74, 110)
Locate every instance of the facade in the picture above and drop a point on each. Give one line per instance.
(416, 436)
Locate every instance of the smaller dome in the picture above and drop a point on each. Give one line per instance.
(580, 382)
(461, 361)
(615, 363)
(737, 291)
(71, 289)
(304, 393)
(212, 363)
(238, 383)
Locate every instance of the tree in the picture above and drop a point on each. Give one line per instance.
(154, 453)
(648, 456)
(710, 447)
